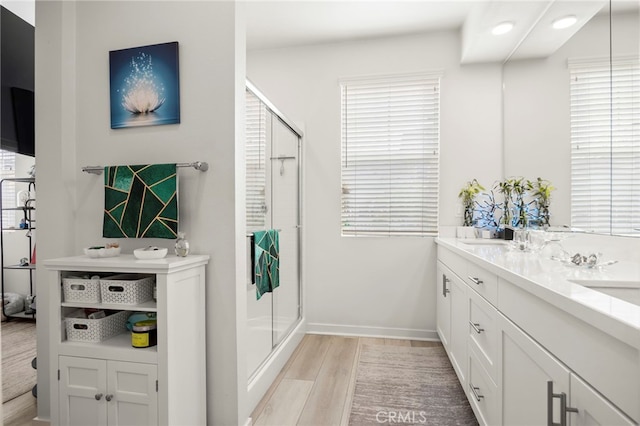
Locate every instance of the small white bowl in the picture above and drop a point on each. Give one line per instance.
(150, 253)
(102, 252)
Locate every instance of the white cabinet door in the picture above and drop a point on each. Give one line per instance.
(131, 393)
(443, 305)
(459, 327)
(592, 408)
(82, 386)
(96, 392)
(524, 376)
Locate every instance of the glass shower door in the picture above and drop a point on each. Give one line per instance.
(258, 167)
(272, 154)
(284, 193)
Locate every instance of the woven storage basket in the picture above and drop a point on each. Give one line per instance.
(126, 289)
(95, 330)
(81, 290)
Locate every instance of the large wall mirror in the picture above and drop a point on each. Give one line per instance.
(572, 113)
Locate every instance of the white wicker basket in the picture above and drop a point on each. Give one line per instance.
(81, 290)
(126, 289)
(95, 330)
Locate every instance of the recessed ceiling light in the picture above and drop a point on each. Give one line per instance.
(502, 28)
(564, 22)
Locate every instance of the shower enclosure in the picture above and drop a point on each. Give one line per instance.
(273, 147)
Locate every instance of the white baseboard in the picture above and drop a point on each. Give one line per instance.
(40, 422)
(383, 332)
(249, 422)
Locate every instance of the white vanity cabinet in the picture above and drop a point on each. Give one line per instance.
(532, 380)
(453, 319)
(537, 387)
(443, 304)
(592, 408)
(528, 362)
(109, 382)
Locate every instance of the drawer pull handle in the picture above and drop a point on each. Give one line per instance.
(98, 396)
(476, 327)
(564, 409)
(475, 280)
(445, 290)
(475, 390)
(108, 397)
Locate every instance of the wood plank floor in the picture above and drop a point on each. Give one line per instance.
(18, 349)
(315, 387)
(20, 410)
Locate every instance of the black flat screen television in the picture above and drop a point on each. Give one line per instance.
(17, 38)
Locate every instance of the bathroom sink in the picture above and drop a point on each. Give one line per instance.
(624, 290)
(482, 241)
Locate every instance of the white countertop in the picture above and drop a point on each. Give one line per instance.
(550, 280)
(126, 263)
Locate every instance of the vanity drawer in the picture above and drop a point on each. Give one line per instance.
(454, 262)
(483, 332)
(482, 281)
(482, 392)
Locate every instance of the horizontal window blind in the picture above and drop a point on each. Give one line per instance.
(8, 170)
(256, 139)
(390, 155)
(605, 145)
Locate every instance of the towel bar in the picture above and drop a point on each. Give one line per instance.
(250, 234)
(198, 165)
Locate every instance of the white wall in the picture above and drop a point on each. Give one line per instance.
(537, 107)
(73, 130)
(383, 286)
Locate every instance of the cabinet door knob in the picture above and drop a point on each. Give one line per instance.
(108, 397)
(98, 396)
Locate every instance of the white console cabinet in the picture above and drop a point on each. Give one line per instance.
(112, 383)
(525, 361)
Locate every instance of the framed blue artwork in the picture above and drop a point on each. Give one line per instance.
(144, 86)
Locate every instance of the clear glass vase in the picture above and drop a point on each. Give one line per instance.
(182, 245)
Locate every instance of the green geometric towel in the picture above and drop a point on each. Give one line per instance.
(140, 201)
(267, 261)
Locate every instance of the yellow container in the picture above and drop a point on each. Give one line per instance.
(144, 334)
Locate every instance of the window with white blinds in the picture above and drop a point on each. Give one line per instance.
(8, 170)
(605, 145)
(256, 137)
(390, 155)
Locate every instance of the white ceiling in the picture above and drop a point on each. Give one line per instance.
(275, 24)
(289, 23)
(284, 23)
(25, 9)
